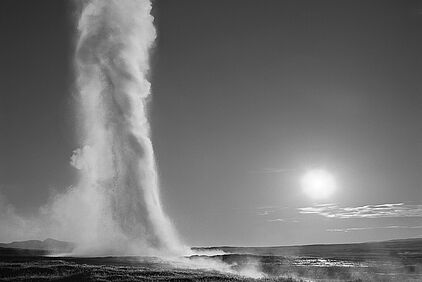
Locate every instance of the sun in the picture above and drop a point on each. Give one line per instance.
(318, 184)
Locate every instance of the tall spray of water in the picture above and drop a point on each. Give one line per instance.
(118, 190)
(115, 207)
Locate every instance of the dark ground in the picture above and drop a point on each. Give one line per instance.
(399, 260)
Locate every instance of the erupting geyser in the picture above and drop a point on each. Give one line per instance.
(121, 212)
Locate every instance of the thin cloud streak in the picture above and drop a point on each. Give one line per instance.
(368, 211)
(264, 211)
(372, 228)
(275, 220)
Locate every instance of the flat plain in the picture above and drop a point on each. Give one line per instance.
(396, 260)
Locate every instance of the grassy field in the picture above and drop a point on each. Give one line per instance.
(399, 260)
(106, 269)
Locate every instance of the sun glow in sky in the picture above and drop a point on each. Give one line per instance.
(318, 184)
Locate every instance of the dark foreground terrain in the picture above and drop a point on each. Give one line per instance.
(398, 260)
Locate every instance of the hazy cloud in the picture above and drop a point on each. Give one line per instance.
(268, 210)
(275, 220)
(264, 212)
(368, 211)
(373, 228)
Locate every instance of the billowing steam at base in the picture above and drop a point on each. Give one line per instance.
(121, 201)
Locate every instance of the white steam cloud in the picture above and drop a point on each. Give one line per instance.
(119, 184)
(115, 207)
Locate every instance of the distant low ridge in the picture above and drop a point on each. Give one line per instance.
(410, 248)
(37, 247)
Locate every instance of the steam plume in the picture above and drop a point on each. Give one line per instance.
(118, 187)
(115, 207)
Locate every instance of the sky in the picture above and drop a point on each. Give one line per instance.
(247, 96)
